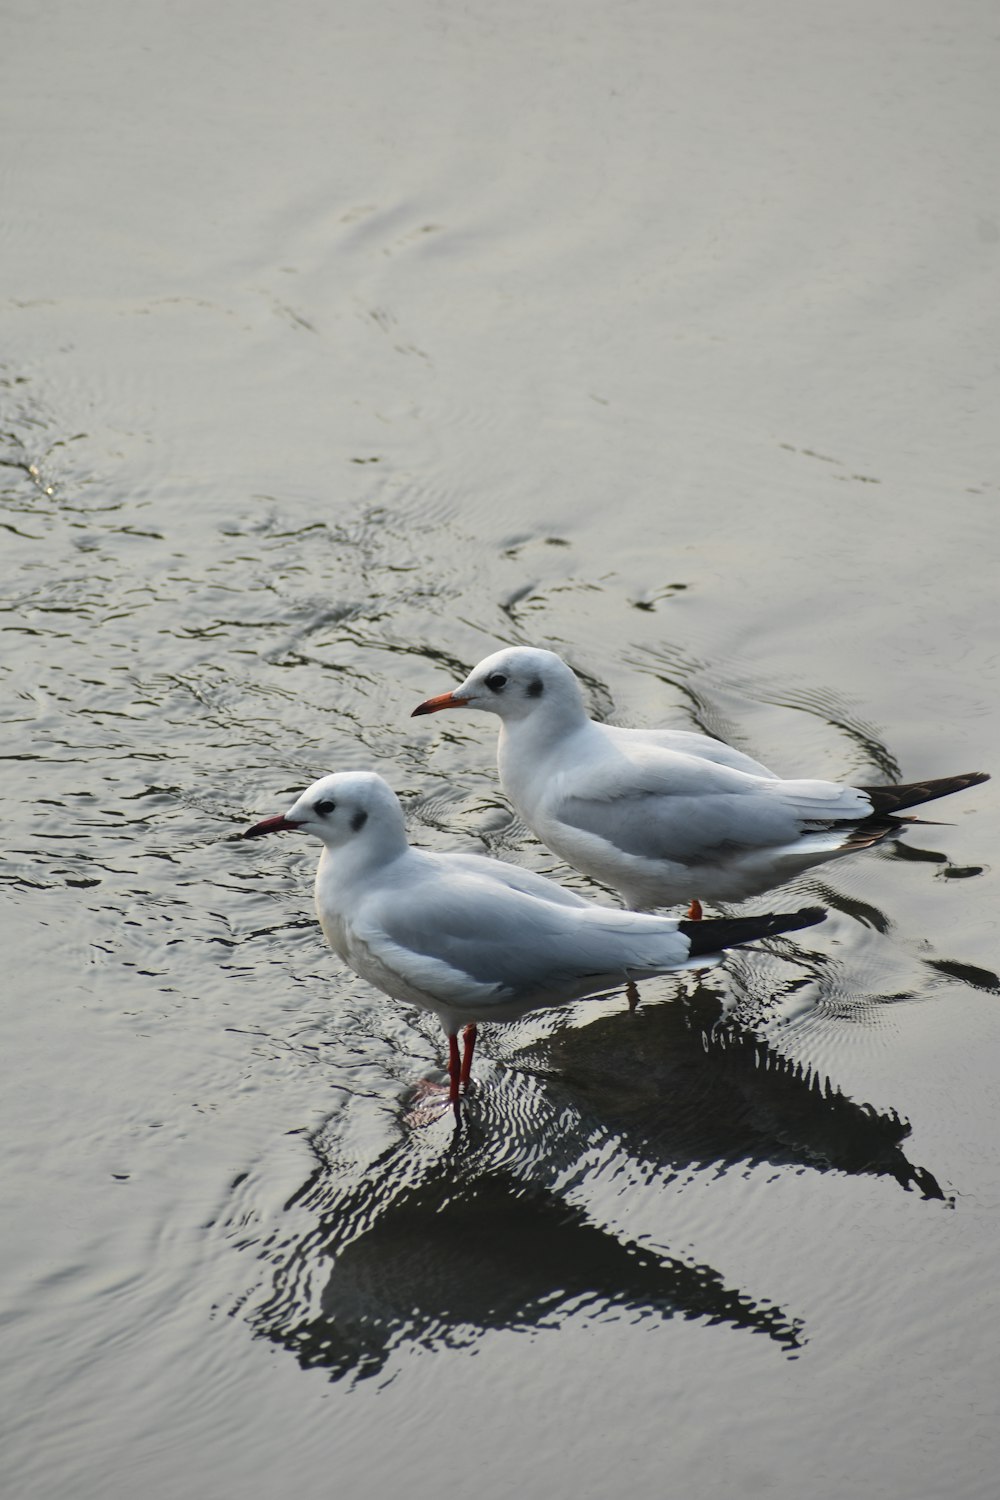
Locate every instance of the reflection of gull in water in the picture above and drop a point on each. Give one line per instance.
(433, 1250)
(447, 1261)
(683, 1090)
(468, 1247)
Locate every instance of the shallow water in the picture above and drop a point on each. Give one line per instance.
(341, 346)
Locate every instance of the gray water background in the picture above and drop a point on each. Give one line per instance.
(339, 345)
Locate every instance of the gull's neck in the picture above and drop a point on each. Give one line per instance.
(526, 744)
(346, 872)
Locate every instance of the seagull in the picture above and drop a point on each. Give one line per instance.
(473, 939)
(664, 815)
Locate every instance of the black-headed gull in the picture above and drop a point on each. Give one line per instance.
(473, 939)
(663, 815)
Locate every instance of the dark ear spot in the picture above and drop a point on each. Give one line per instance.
(359, 820)
(535, 688)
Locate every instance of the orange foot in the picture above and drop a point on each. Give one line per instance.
(428, 1102)
(694, 911)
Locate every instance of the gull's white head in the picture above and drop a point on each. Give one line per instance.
(350, 809)
(516, 683)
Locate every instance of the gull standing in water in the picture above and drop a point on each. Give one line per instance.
(664, 815)
(471, 938)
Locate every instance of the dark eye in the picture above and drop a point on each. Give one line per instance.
(324, 808)
(496, 681)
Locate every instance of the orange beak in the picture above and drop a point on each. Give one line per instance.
(434, 705)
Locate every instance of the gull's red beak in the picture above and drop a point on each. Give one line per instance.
(276, 824)
(433, 705)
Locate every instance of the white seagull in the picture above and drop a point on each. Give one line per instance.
(473, 939)
(664, 815)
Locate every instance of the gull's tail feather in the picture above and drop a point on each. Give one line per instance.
(893, 799)
(712, 934)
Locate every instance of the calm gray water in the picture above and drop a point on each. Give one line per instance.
(340, 344)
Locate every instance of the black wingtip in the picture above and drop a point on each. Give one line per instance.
(712, 934)
(887, 800)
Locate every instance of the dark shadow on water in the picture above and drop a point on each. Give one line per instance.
(446, 1237)
(454, 1258)
(692, 1092)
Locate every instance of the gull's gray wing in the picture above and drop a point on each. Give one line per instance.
(663, 806)
(690, 742)
(464, 937)
(517, 879)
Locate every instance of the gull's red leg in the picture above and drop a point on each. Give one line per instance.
(469, 1046)
(454, 1073)
(632, 994)
(694, 911)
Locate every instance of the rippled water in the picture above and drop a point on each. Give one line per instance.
(340, 346)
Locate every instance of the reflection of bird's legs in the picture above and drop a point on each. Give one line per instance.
(469, 1046)
(694, 911)
(632, 994)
